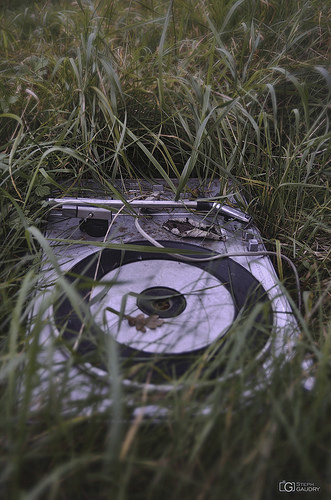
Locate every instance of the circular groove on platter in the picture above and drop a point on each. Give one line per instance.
(213, 293)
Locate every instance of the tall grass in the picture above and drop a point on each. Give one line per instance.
(234, 90)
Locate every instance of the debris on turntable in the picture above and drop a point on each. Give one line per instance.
(189, 228)
(141, 321)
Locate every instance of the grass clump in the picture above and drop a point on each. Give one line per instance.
(233, 90)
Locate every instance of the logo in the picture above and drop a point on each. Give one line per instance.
(298, 487)
(286, 486)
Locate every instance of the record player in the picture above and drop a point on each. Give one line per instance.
(145, 283)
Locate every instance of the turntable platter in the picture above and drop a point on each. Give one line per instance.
(196, 303)
(195, 306)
